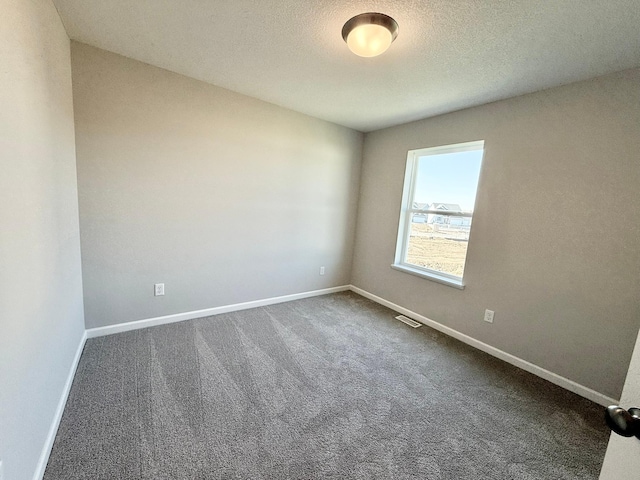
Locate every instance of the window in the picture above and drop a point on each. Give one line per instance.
(439, 194)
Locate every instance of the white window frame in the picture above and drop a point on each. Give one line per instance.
(407, 211)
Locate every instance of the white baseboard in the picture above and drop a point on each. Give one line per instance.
(563, 382)
(53, 430)
(179, 317)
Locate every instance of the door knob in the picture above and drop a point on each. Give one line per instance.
(623, 422)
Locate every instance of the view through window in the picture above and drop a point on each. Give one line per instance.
(438, 203)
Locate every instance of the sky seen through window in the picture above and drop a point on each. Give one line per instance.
(449, 178)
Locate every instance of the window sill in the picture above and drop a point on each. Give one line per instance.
(430, 276)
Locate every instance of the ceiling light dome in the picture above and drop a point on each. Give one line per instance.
(370, 34)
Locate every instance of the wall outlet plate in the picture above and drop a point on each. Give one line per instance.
(488, 316)
(321, 270)
(158, 289)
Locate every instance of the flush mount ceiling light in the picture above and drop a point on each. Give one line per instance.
(370, 34)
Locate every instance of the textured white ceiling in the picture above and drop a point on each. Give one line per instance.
(449, 54)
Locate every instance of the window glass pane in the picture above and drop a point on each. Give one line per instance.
(440, 247)
(448, 181)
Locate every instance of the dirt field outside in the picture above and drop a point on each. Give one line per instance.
(436, 247)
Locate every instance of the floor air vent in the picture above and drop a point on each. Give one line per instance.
(409, 321)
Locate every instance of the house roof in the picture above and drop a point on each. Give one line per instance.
(451, 207)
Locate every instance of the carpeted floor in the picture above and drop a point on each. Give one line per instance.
(330, 387)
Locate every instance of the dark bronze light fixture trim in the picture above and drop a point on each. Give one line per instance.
(371, 18)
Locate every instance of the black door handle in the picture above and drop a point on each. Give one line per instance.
(623, 422)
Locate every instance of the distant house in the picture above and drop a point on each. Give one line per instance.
(453, 220)
(420, 217)
(434, 218)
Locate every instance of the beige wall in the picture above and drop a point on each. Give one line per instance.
(41, 313)
(554, 246)
(221, 197)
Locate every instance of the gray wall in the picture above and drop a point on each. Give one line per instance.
(41, 313)
(221, 197)
(554, 245)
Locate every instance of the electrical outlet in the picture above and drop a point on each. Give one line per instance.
(157, 291)
(488, 316)
(321, 270)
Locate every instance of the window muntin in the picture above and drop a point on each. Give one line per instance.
(437, 210)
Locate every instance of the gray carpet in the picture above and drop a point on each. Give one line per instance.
(328, 387)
